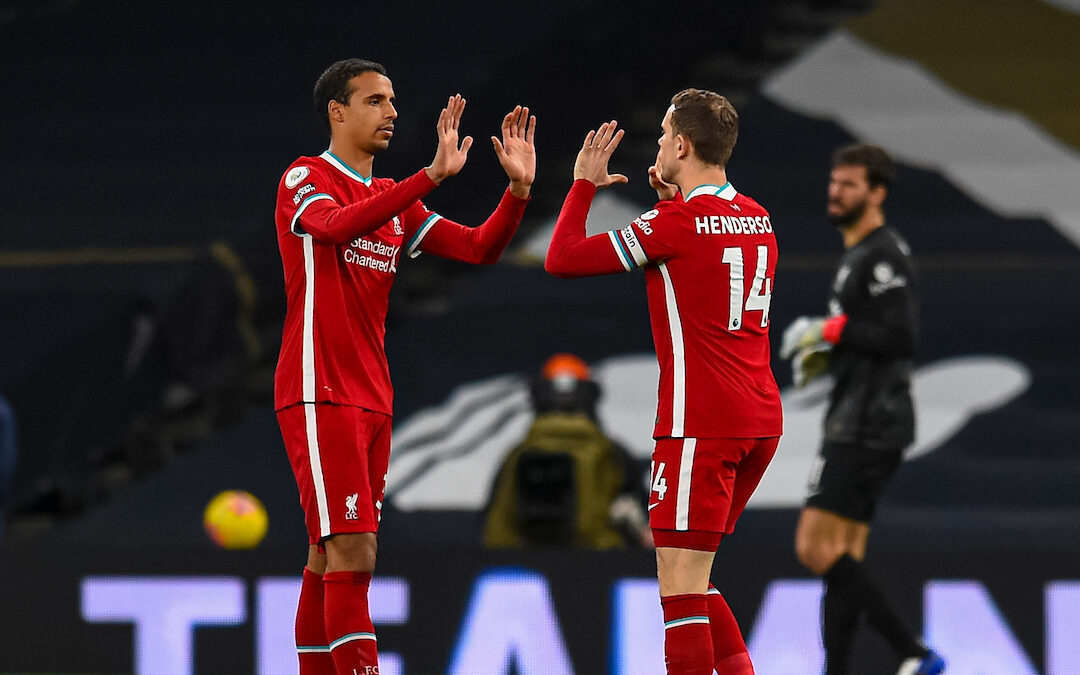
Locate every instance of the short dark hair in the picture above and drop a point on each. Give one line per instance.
(709, 122)
(333, 84)
(878, 164)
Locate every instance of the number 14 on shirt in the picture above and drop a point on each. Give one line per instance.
(760, 289)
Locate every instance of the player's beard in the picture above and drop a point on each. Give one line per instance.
(847, 218)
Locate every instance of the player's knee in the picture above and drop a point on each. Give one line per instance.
(804, 551)
(815, 553)
(316, 561)
(682, 571)
(351, 552)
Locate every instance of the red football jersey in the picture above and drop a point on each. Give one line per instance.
(709, 262)
(341, 237)
(337, 282)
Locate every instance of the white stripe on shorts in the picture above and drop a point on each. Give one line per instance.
(682, 497)
(315, 459)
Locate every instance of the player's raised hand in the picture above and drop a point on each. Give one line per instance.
(664, 190)
(449, 157)
(592, 159)
(516, 151)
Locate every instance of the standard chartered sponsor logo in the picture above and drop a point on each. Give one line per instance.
(375, 247)
(374, 255)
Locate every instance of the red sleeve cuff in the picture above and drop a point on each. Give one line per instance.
(833, 327)
(584, 186)
(427, 179)
(510, 197)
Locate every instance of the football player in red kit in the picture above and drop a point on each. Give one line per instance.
(709, 255)
(342, 233)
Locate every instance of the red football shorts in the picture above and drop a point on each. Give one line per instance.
(701, 485)
(339, 456)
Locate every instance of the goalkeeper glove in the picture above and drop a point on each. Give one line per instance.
(803, 332)
(811, 332)
(809, 363)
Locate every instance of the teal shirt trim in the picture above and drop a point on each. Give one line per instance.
(703, 189)
(366, 180)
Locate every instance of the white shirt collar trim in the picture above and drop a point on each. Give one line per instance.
(726, 191)
(345, 168)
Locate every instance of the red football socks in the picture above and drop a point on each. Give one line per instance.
(312, 648)
(348, 623)
(729, 650)
(687, 642)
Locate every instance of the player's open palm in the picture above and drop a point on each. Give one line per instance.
(592, 159)
(450, 157)
(516, 151)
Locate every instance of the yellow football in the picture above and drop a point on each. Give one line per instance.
(235, 519)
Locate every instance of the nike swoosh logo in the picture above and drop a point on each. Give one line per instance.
(652, 506)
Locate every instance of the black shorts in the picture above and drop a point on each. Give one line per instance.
(848, 479)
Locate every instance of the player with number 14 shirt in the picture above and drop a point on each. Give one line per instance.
(709, 255)
(709, 288)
